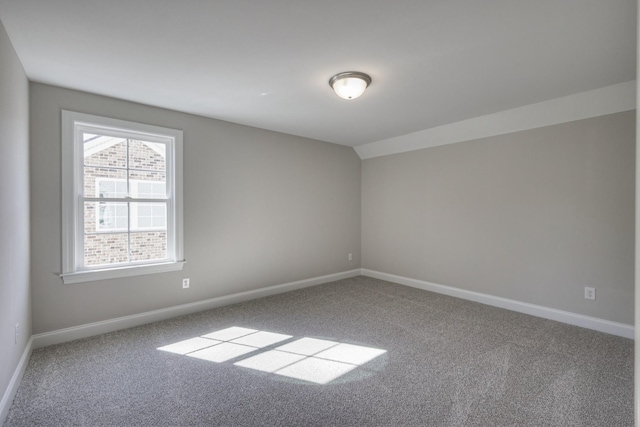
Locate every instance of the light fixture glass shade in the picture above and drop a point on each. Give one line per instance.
(350, 85)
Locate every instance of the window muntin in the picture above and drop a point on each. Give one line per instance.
(121, 204)
(144, 216)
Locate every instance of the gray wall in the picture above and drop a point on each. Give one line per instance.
(15, 305)
(260, 208)
(533, 216)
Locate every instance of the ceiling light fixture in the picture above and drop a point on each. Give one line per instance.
(349, 85)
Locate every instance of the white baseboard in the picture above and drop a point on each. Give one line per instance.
(96, 328)
(10, 392)
(601, 325)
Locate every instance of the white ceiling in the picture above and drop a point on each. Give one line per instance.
(267, 63)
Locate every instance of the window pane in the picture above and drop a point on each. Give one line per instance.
(104, 182)
(107, 151)
(149, 246)
(148, 216)
(104, 249)
(147, 155)
(148, 185)
(105, 217)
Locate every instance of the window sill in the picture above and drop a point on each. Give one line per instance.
(115, 273)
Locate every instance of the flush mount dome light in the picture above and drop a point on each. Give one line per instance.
(350, 85)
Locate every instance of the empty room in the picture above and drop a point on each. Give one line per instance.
(356, 213)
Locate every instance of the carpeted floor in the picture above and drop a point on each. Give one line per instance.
(411, 358)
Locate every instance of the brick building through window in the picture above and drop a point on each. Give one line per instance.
(117, 168)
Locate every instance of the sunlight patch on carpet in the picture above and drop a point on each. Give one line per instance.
(222, 352)
(308, 359)
(190, 345)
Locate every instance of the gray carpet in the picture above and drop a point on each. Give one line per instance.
(448, 362)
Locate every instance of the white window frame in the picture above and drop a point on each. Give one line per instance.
(73, 269)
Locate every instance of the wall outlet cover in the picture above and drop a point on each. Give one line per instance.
(590, 293)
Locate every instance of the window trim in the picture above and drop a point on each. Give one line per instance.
(72, 187)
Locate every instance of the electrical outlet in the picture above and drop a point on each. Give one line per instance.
(17, 333)
(590, 293)
(350, 257)
(185, 283)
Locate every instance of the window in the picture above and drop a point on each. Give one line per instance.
(122, 198)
